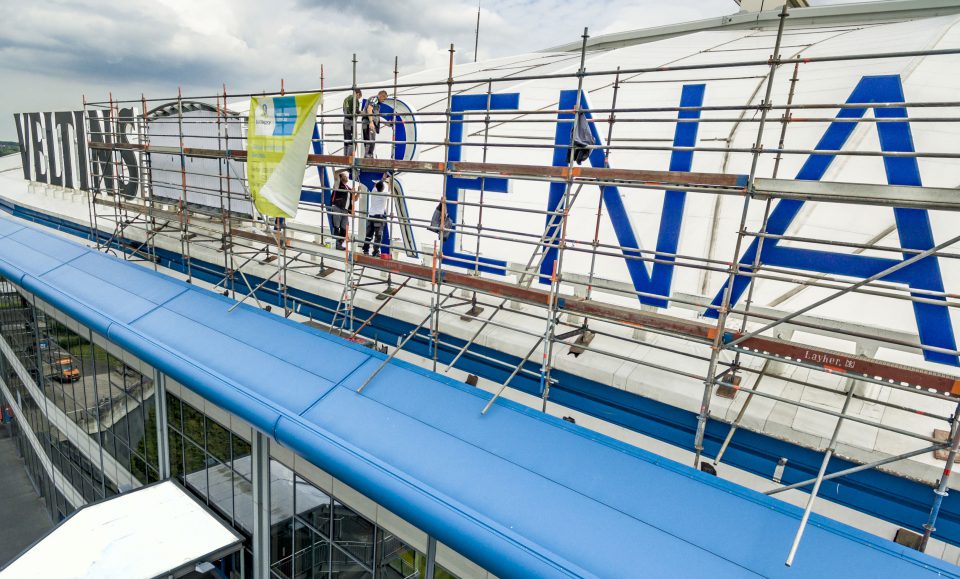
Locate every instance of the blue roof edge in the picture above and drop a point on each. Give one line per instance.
(485, 542)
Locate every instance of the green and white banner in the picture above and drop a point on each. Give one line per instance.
(278, 140)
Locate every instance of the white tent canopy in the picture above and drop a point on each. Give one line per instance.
(157, 530)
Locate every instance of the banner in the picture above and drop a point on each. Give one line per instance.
(278, 137)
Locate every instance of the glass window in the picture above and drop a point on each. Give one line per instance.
(243, 499)
(218, 441)
(343, 566)
(147, 448)
(281, 548)
(173, 412)
(397, 560)
(241, 447)
(176, 454)
(194, 460)
(193, 422)
(281, 517)
(311, 552)
(353, 533)
(313, 506)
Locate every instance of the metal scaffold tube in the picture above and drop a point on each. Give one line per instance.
(718, 344)
(557, 275)
(943, 484)
(831, 447)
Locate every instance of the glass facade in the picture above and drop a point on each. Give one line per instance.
(87, 407)
(92, 409)
(312, 534)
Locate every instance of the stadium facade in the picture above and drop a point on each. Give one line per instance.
(752, 269)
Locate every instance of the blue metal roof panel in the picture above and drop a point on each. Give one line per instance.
(68, 303)
(606, 541)
(117, 302)
(740, 526)
(27, 258)
(256, 410)
(286, 385)
(150, 287)
(56, 247)
(518, 492)
(259, 329)
(8, 227)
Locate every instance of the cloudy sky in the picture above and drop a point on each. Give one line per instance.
(54, 51)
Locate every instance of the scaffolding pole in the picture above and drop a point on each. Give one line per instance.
(718, 344)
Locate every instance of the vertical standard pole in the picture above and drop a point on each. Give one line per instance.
(146, 179)
(606, 163)
(392, 202)
(755, 268)
(114, 120)
(475, 310)
(348, 294)
(280, 234)
(483, 183)
(228, 240)
(717, 345)
(941, 491)
(260, 473)
(184, 241)
(224, 215)
(552, 313)
(851, 384)
(324, 218)
(438, 258)
(163, 440)
(141, 129)
(92, 208)
(476, 38)
(282, 265)
(324, 210)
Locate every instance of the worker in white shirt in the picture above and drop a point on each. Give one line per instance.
(376, 216)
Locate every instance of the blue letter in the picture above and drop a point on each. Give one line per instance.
(460, 103)
(659, 280)
(913, 225)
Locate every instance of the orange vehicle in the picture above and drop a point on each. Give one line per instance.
(62, 369)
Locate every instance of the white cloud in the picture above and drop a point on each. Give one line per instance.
(54, 51)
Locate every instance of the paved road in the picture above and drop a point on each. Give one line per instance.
(23, 516)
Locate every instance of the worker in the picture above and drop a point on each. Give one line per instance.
(351, 106)
(341, 205)
(371, 122)
(376, 215)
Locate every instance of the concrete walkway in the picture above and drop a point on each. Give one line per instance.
(23, 516)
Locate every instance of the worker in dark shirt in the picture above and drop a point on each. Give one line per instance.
(341, 205)
(351, 106)
(371, 122)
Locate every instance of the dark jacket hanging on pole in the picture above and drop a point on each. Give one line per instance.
(582, 138)
(435, 222)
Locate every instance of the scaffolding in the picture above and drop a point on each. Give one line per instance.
(451, 303)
